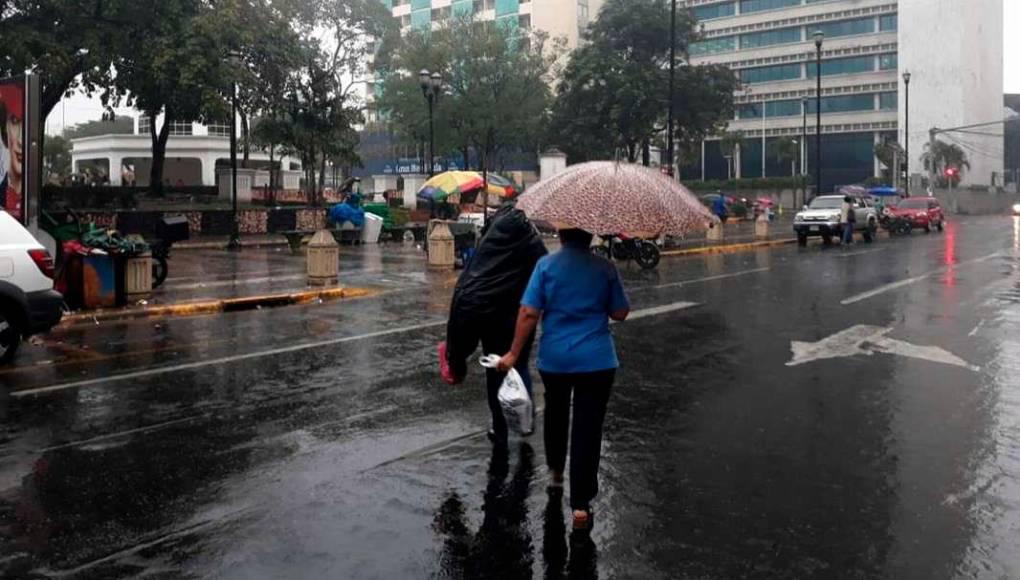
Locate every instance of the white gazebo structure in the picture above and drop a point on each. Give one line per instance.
(193, 153)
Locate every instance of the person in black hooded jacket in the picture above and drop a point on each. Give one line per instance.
(486, 301)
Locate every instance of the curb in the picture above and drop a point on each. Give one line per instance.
(185, 246)
(730, 247)
(215, 306)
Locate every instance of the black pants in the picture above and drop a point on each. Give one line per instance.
(591, 395)
(496, 333)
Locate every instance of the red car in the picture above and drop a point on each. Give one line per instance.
(922, 212)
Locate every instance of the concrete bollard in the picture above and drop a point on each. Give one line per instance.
(323, 259)
(138, 277)
(441, 248)
(761, 227)
(715, 233)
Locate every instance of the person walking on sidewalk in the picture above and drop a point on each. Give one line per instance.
(574, 294)
(485, 303)
(847, 218)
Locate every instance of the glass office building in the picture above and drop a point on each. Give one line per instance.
(868, 44)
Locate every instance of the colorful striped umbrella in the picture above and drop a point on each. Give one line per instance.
(450, 185)
(605, 197)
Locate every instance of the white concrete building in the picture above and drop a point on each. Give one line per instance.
(952, 48)
(193, 153)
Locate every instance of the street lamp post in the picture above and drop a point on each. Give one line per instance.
(819, 39)
(430, 87)
(235, 228)
(672, 80)
(803, 151)
(906, 130)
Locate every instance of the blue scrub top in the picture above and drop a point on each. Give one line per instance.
(575, 291)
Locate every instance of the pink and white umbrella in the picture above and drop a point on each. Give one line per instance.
(606, 197)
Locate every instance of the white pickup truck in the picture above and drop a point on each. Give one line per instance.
(28, 303)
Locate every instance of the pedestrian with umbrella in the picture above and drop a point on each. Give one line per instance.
(575, 294)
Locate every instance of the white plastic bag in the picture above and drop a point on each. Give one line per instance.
(513, 397)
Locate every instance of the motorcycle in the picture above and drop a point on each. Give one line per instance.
(620, 247)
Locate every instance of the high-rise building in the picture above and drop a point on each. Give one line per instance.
(951, 48)
(565, 19)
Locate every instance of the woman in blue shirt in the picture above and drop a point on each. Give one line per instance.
(574, 294)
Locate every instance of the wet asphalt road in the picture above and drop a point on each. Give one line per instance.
(317, 441)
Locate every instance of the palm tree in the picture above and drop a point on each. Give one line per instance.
(945, 156)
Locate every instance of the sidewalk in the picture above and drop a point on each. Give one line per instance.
(205, 278)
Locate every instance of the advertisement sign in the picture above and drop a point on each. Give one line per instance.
(13, 145)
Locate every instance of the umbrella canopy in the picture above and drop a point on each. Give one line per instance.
(450, 184)
(884, 191)
(605, 197)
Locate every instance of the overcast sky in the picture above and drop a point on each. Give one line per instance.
(79, 108)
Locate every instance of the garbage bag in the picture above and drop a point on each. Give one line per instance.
(494, 279)
(513, 397)
(343, 212)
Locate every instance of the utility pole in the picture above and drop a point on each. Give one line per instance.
(906, 131)
(819, 38)
(931, 160)
(670, 151)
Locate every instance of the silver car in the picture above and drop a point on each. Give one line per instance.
(821, 218)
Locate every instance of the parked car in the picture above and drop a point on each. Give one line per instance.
(28, 303)
(821, 218)
(920, 212)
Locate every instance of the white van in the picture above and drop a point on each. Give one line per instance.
(28, 303)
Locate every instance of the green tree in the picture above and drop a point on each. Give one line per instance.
(71, 44)
(173, 62)
(944, 156)
(614, 93)
(495, 93)
(787, 150)
(56, 158)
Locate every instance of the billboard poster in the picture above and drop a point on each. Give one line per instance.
(13, 128)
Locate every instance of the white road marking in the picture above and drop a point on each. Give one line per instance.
(637, 314)
(706, 279)
(884, 289)
(909, 281)
(657, 310)
(977, 328)
(222, 360)
(868, 340)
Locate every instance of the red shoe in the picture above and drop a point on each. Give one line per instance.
(444, 367)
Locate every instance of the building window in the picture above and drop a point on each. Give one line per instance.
(715, 11)
(783, 72)
(760, 5)
(768, 38)
(790, 108)
(888, 62)
(846, 27)
(421, 19)
(180, 128)
(524, 21)
(844, 104)
(219, 130)
(714, 46)
(844, 66)
(441, 14)
(421, 4)
(144, 125)
(888, 101)
(507, 7)
(888, 23)
(463, 8)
